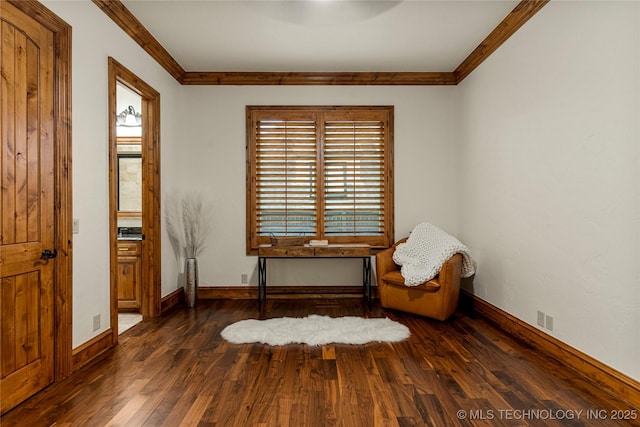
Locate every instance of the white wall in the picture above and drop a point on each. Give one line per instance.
(95, 38)
(214, 126)
(550, 176)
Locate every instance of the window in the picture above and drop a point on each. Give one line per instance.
(320, 172)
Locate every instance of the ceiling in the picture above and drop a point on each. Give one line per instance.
(320, 35)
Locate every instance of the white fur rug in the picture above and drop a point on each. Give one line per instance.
(315, 330)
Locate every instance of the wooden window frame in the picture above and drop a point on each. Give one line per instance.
(385, 114)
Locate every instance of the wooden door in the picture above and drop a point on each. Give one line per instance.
(27, 203)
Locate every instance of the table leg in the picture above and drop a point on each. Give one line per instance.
(366, 279)
(262, 281)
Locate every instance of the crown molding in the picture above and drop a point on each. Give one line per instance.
(122, 16)
(320, 78)
(505, 29)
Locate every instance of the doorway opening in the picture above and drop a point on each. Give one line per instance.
(129, 127)
(134, 198)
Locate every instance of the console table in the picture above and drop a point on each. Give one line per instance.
(330, 251)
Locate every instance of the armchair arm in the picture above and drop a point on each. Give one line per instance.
(449, 276)
(384, 260)
(449, 279)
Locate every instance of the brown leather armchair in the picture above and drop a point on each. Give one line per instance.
(437, 298)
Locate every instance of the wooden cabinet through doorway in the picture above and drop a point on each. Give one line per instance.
(129, 275)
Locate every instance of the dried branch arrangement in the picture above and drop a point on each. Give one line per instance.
(188, 222)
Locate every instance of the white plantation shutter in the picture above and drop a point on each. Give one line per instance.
(321, 172)
(286, 177)
(354, 178)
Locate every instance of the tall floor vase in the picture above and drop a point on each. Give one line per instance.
(191, 281)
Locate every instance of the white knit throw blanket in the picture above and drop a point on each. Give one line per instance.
(421, 257)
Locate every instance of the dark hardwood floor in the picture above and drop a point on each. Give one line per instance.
(177, 370)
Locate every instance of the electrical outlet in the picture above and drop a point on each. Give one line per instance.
(244, 279)
(96, 322)
(549, 323)
(540, 318)
(76, 225)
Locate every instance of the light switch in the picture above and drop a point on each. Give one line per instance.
(76, 225)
